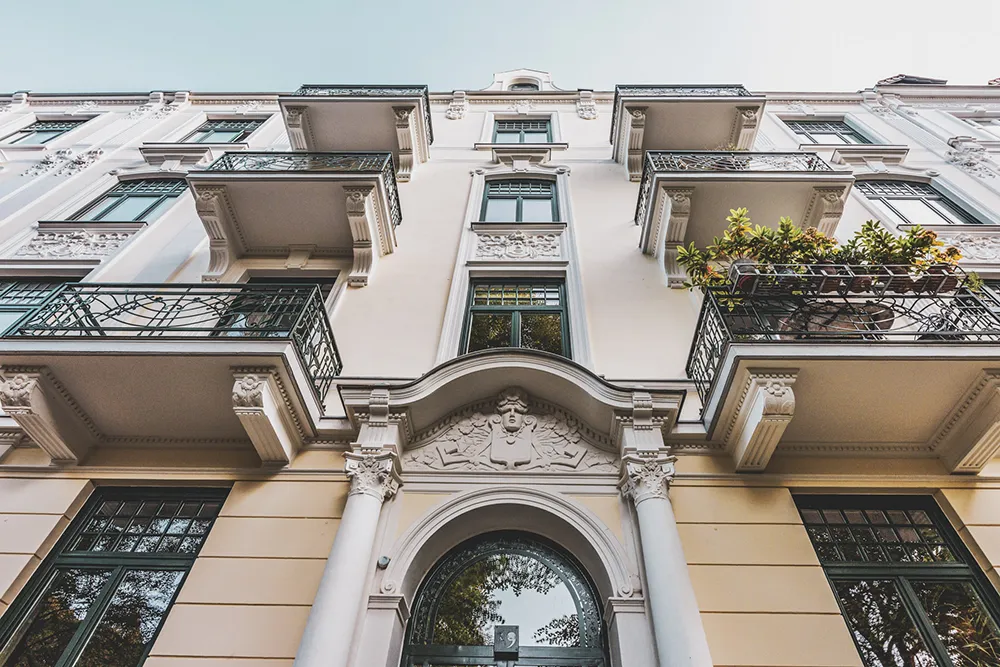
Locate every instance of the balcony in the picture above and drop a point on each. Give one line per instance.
(841, 360)
(260, 204)
(396, 119)
(681, 118)
(686, 196)
(102, 365)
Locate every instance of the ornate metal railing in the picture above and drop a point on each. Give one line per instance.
(336, 162)
(623, 91)
(838, 304)
(322, 90)
(185, 312)
(719, 162)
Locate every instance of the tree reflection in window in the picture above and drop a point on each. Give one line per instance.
(506, 579)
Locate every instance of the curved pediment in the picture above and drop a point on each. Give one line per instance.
(511, 432)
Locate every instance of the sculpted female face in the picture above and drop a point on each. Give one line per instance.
(511, 417)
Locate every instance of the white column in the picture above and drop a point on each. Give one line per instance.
(677, 628)
(326, 641)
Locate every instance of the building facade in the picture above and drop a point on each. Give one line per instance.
(369, 375)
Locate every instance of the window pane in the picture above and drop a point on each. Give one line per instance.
(36, 138)
(131, 208)
(542, 331)
(489, 330)
(508, 137)
(948, 213)
(822, 138)
(885, 633)
(131, 619)
(501, 210)
(969, 634)
(536, 137)
(219, 137)
(918, 212)
(57, 615)
(536, 210)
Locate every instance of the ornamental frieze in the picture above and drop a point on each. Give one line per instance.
(511, 433)
(78, 244)
(517, 245)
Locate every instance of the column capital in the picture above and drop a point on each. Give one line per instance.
(372, 473)
(646, 476)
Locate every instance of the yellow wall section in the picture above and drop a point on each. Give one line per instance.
(413, 506)
(608, 510)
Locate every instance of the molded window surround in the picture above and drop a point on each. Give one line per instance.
(41, 132)
(488, 137)
(101, 596)
(915, 202)
(908, 588)
(223, 131)
(522, 131)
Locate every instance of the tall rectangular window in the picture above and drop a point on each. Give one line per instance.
(916, 203)
(520, 200)
(909, 590)
(531, 315)
(522, 132)
(41, 132)
(100, 599)
(223, 131)
(827, 132)
(132, 201)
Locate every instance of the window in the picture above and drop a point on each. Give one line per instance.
(907, 587)
(506, 579)
(531, 315)
(41, 132)
(916, 203)
(991, 125)
(101, 598)
(223, 131)
(134, 200)
(827, 132)
(522, 132)
(19, 296)
(519, 201)
(522, 86)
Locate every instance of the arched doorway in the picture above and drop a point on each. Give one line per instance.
(506, 599)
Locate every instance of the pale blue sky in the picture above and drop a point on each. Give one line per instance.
(250, 45)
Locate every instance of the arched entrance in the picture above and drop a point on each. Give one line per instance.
(505, 599)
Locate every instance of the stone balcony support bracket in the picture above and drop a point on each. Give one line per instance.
(40, 405)
(825, 209)
(670, 223)
(745, 127)
(215, 209)
(297, 124)
(635, 128)
(361, 216)
(406, 138)
(764, 411)
(970, 436)
(258, 403)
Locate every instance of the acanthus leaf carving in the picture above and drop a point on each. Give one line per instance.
(517, 435)
(647, 476)
(15, 391)
(248, 391)
(372, 473)
(517, 245)
(79, 244)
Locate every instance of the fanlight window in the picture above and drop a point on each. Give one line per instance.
(505, 598)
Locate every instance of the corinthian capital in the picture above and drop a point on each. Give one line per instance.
(646, 476)
(372, 473)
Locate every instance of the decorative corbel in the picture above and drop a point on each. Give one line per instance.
(258, 404)
(295, 122)
(380, 428)
(458, 106)
(762, 415)
(635, 130)
(969, 437)
(212, 207)
(825, 209)
(669, 228)
(404, 137)
(745, 128)
(360, 215)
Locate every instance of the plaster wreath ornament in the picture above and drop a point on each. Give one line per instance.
(72, 245)
(517, 245)
(516, 436)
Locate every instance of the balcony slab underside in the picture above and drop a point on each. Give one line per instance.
(688, 207)
(857, 399)
(146, 393)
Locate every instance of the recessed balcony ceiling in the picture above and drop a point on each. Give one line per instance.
(336, 204)
(858, 361)
(663, 117)
(685, 197)
(395, 119)
(208, 366)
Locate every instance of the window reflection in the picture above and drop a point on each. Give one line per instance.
(969, 634)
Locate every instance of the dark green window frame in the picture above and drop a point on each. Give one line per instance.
(20, 296)
(516, 299)
(106, 522)
(158, 191)
(519, 190)
(241, 128)
(807, 128)
(893, 550)
(41, 132)
(520, 128)
(933, 200)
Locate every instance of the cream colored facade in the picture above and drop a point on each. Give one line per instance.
(80, 413)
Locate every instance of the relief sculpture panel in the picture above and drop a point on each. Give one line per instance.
(512, 433)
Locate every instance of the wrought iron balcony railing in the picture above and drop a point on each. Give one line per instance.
(330, 162)
(322, 90)
(823, 304)
(668, 91)
(659, 162)
(193, 312)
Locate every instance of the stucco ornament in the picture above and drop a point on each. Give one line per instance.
(372, 474)
(969, 155)
(72, 245)
(517, 245)
(16, 391)
(518, 435)
(48, 162)
(248, 392)
(645, 477)
(976, 247)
